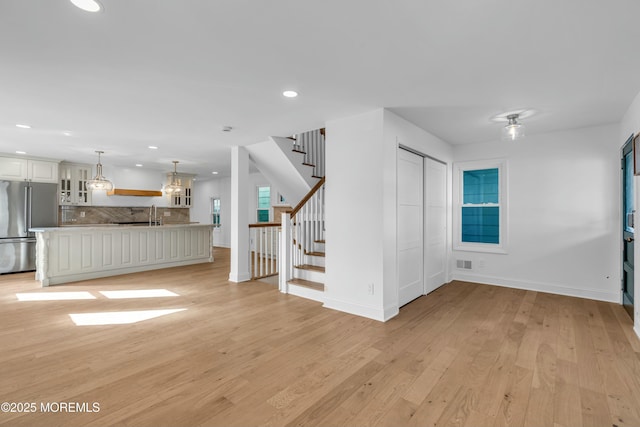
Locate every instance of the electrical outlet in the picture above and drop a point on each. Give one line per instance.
(371, 289)
(167, 213)
(81, 214)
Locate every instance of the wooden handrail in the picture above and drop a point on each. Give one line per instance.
(306, 198)
(265, 224)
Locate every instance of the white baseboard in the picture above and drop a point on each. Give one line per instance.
(68, 278)
(241, 277)
(551, 288)
(304, 292)
(369, 312)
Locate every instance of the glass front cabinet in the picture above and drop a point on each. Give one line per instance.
(184, 199)
(73, 184)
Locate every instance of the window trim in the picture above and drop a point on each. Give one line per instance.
(214, 214)
(503, 203)
(258, 208)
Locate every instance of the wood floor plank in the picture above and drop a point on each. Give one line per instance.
(247, 355)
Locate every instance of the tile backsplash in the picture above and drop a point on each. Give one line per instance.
(77, 215)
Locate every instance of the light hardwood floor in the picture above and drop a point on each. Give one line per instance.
(246, 355)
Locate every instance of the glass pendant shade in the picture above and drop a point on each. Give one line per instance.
(99, 182)
(174, 187)
(513, 130)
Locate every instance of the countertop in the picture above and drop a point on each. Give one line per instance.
(120, 226)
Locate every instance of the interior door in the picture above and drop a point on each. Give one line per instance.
(628, 210)
(435, 224)
(410, 226)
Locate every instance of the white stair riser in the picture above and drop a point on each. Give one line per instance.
(314, 260)
(304, 292)
(314, 276)
(318, 247)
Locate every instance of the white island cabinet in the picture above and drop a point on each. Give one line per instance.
(70, 254)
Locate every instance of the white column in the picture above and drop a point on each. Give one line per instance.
(240, 193)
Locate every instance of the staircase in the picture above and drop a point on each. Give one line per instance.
(294, 248)
(304, 254)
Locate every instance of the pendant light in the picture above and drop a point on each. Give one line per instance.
(175, 186)
(99, 182)
(513, 130)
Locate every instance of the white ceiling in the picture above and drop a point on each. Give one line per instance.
(171, 73)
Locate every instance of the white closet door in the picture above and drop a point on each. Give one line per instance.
(435, 224)
(410, 226)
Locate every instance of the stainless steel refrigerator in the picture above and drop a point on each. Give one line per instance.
(24, 205)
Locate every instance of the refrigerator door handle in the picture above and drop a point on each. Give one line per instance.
(28, 204)
(27, 214)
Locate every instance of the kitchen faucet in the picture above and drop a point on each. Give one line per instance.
(153, 210)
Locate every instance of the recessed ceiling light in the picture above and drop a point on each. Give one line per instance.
(226, 128)
(290, 93)
(22, 126)
(21, 152)
(139, 165)
(153, 147)
(214, 173)
(66, 133)
(87, 5)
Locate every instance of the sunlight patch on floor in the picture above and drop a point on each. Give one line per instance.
(139, 293)
(53, 296)
(119, 317)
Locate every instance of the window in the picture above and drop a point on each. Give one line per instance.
(264, 204)
(480, 214)
(215, 212)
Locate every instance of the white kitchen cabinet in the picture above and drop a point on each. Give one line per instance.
(41, 171)
(73, 184)
(18, 169)
(184, 199)
(69, 254)
(13, 169)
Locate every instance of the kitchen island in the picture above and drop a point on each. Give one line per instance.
(70, 254)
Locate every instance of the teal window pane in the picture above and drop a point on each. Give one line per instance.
(263, 215)
(481, 224)
(480, 186)
(264, 197)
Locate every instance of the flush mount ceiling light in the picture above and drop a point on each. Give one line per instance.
(513, 130)
(175, 186)
(290, 93)
(99, 182)
(87, 5)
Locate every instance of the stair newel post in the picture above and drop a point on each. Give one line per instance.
(286, 255)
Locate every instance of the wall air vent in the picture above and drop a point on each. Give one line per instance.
(463, 264)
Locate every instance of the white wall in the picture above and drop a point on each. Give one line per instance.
(564, 209)
(630, 124)
(361, 221)
(221, 187)
(134, 179)
(203, 191)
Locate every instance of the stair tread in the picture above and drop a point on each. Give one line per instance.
(319, 241)
(310, 267)
(308, 284)
(316, 253)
